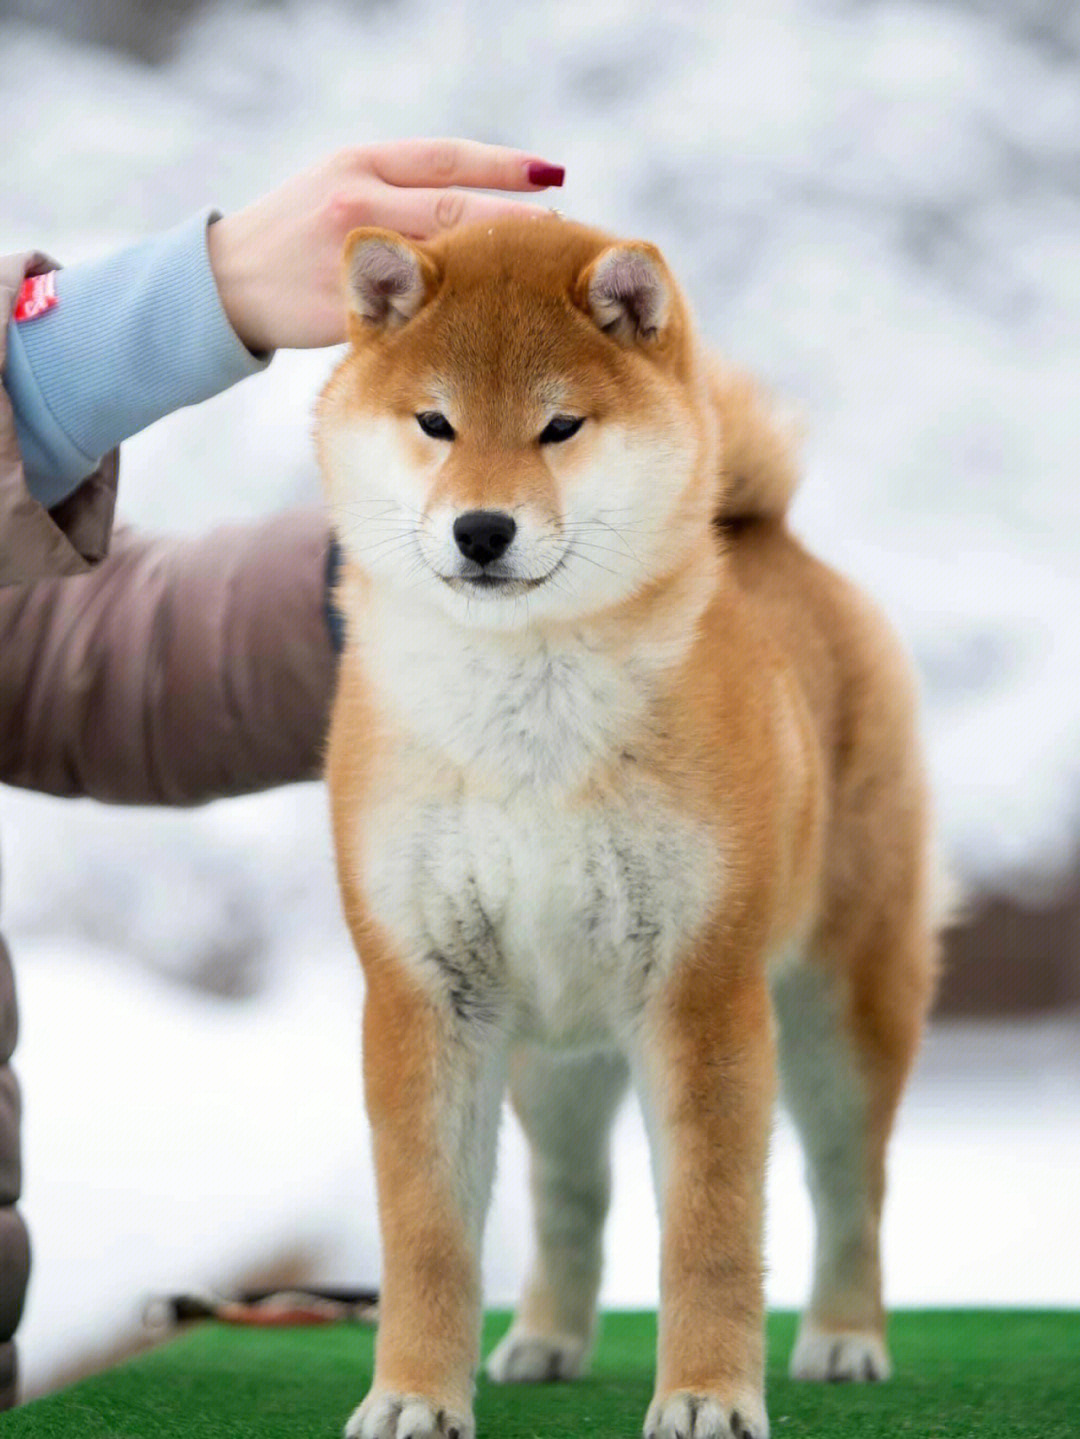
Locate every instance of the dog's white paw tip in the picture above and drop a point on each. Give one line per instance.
(419, 1421)
(706, 1416)
(523, 1358)
(406, 1416)
(852, 1358)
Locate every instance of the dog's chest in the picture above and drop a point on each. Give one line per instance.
(512, 880)
(509, 710)
(560, 915)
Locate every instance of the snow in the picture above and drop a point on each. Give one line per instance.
(872, 206)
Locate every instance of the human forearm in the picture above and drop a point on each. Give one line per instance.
(131, 338)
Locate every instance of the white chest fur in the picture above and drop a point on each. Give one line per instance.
(505, 873)
(557, 917)
(513, 709)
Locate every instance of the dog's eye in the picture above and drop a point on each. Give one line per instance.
(435, 425)
(561, 428)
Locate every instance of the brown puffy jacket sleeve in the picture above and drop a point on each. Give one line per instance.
(176, 671)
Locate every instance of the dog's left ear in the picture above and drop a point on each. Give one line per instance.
(627, 291)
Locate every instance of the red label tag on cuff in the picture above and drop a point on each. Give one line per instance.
(38, 295)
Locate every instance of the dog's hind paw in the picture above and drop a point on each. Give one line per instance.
(851, 1357)
(524, 1358)
(406, 1416)
(706, 1416)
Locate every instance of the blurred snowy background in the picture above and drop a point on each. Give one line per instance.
(876, 206)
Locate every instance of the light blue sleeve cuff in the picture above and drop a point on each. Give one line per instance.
(133, 337)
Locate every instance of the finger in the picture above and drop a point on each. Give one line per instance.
(429, 163)
(422, 213)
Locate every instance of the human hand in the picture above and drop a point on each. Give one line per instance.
(277, 262)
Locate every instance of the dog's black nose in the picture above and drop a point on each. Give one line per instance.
(483, 535)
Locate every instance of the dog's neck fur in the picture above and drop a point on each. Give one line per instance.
(542, 706)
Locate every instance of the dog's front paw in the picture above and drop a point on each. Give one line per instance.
(407, 1416)
(826, 1356)
(683, 1415)
(524, 1358)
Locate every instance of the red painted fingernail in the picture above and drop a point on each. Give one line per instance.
(541, 174)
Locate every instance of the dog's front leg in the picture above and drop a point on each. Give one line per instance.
(434, 1072)
(706, 1070)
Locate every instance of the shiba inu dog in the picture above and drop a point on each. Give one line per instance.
(625, 784)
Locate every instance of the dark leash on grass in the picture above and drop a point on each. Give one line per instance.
(265, 1308)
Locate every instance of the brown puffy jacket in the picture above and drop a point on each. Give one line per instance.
(163, 672)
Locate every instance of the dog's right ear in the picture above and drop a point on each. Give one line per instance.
(387, 278)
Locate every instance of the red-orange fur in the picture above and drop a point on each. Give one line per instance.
(788, 729)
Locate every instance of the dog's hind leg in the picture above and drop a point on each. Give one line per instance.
(566, 1107)
(847, 1038)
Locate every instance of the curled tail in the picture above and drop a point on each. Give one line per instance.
(757, 450)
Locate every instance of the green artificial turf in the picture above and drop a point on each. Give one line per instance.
(1005, 1375)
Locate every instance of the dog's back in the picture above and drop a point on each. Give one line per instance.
(854, 673)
